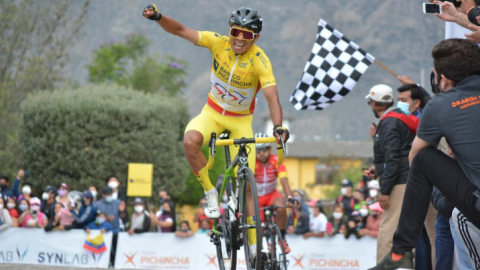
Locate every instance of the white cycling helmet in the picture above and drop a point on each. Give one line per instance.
(261, 145)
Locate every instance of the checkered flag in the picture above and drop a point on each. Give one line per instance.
(331, 72)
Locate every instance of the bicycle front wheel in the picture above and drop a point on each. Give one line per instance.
(281, 259)
(226, 251)
(249, 193)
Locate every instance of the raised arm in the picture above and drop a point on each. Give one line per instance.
(170, 25)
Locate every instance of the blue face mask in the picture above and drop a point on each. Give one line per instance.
(404, 107)
(109, 199)
(100, 220)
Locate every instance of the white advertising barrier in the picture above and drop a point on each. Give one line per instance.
(60, 248)
(166, 251)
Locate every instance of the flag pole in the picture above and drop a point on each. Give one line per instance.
(386, 68)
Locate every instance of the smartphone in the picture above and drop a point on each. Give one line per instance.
(432, 8)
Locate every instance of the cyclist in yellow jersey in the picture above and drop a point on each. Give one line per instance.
(239, 70)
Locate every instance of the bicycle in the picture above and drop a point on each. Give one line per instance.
(230, 231)
(271, 233)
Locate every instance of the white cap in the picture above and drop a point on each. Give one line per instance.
(35, 200)
(373, 184)
(381, 93)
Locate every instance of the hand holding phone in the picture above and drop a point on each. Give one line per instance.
(432, 8)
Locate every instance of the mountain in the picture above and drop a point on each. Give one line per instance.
(395, 32)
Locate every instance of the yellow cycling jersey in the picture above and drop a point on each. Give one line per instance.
(235, 79)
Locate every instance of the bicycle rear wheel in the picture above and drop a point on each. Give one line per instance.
(226, 253)
(246, 177)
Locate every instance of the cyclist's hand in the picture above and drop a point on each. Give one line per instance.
(281, 133)
(151, 13)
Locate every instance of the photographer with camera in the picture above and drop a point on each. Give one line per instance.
(455, 115)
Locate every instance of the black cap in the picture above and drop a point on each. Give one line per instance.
(107, 190)
(51, 189)
(347, 183)
(87, 194)
(139, 201)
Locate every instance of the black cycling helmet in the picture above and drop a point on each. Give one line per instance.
(246, 17)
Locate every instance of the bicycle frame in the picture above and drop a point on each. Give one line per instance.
(241, 159)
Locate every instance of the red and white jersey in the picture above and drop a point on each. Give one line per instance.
(266, 175)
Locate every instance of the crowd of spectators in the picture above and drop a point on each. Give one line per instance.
(354, 213)
(58, 208)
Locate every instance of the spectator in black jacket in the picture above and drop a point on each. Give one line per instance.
(48, 202)
(392, 142)
(140, 220)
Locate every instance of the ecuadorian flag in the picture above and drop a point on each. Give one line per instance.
(96, 244)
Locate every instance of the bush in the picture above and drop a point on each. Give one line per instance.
(194, 188)
(83, 136)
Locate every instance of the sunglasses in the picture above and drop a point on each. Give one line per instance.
(246, 34)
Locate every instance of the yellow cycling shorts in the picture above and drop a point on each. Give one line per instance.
(209, 121)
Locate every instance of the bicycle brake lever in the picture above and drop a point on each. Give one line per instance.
(213, 139)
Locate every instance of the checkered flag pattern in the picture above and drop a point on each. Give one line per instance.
(334, 67)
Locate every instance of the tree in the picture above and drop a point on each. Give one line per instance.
(127, 64)
(83, 136)
(35, 37)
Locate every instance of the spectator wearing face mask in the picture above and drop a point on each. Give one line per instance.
(4, 187)
(63, 195)
(318, 220)
(185, 230)
(26, 192)
(205, 226)
(346, 198)
(338, 221)
(11, 206)
(94, 191)
(373, 191)
(87, 212)
(110, 207)
(165, 221)
(22, 208)
(117, 192)
(100, 223)
(48, 203)
(34, 217)
(354, 225)
(373, 221)
(63, 219)
(5, 219)
(140, 218)
(164, 196)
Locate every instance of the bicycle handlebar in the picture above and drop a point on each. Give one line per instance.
(213, 142)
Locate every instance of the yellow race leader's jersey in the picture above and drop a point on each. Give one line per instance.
(235, 79)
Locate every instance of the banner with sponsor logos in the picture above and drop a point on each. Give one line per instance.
(166, 251)
(59, 248)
